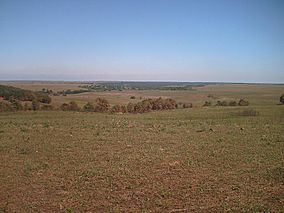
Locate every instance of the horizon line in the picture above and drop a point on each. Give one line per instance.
(142, 81)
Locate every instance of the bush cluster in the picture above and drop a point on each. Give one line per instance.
(207, 103)
(242, 102)
(146, 105)
(15, 105)
(185, 105)
(5, 106)
(16, 99)
(101, 105)
(71, 106)
(9, 92)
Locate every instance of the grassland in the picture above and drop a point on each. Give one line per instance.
(203, 159)
(256, 94)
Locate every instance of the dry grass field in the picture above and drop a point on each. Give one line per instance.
(202, 159)
(257, 94)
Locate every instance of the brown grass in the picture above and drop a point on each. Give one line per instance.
(185, 160)
(192, 160)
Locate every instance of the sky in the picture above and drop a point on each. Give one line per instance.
(142, 40)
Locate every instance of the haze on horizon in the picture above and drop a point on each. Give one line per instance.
(159, 40)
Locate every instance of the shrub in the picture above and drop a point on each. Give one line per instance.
(243, 102)
(207, 103)
(248, 112)
(170, 103)
(35, 105)
(222, 103)
(132, 97)
(138, 107)
(5, 107)
(116, 109)
(43, 97)
(233, 103)
(89, 107)
(130, 107)
(123, 109)
(102, 105)
(16, 105)
(27, 106)
(282, 99)
(146, 105)
(73, 106)
(64, 107)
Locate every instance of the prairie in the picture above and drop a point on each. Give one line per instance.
(201, 159)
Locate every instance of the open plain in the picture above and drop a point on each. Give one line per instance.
(200, 159)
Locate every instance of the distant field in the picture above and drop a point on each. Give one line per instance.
(200, 159)
(256, 94)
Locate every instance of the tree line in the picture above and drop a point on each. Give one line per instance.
(14, 99)
(147, 105)
(9, 92)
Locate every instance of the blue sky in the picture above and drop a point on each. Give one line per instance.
(176, 40)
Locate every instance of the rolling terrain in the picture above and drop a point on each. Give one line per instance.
(200, 159)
